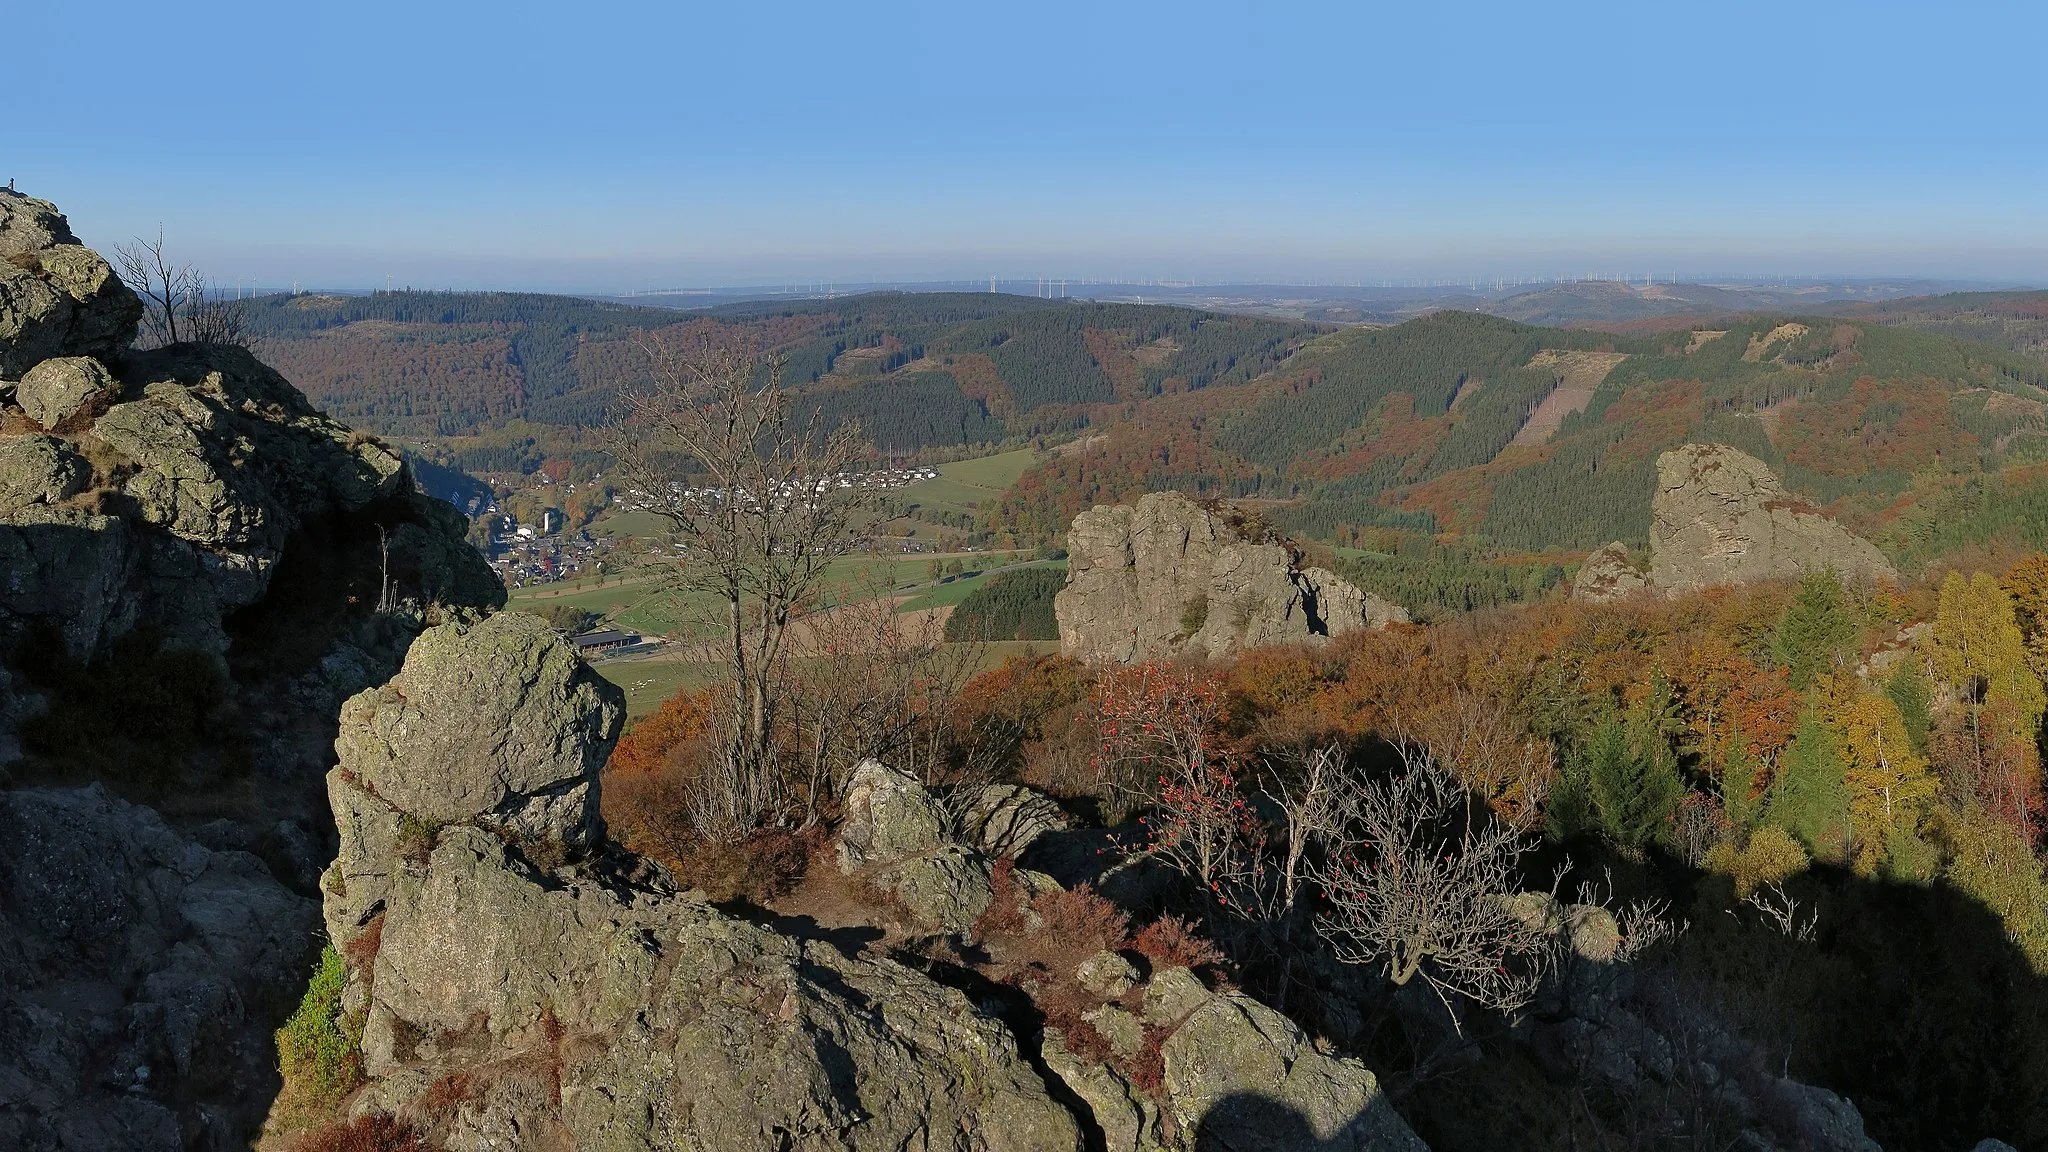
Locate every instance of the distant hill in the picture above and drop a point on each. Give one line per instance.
(2014, 320)
(1514, 438)
(506, 379)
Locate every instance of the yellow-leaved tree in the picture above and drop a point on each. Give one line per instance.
(1889, 783)
(1981, 652)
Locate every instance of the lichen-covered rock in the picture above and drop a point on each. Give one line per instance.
(499, 722)
(1168, 575)
(947, 888)
(39, 470)
(1607, 575)
(1721, 517)
(887, 816)
(592, 1005)
(57, 297)
(1242, 1076)
(63, 387)
(1127, 1119)
(222, 462)
(140, 975)
(1007, 819)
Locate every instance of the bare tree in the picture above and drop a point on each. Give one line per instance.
(760, 503)
(1421, 881)
(179, 305)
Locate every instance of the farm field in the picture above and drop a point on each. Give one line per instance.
(970, 486)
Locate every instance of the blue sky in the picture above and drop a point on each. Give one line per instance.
(606, 146)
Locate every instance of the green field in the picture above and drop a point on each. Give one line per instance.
(969, 486)
(942, 595)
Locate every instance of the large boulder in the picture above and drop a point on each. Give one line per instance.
(1238, 1076)
(39, 470)
(140, 975)
(1607, 575)
(1007, 819)
(1170, 575)
(887, 816)
(57, 297)
(585, 1002)
(63, 388)
(1721, 517)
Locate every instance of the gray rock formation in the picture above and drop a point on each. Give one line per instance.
(1007, 819)
(584, 1005)
(173, 480)
(140, 975)
(1607, 575)
(60, 390)
(1236, 1076)
(1721, 517)
(1170, 575)
(57, 297)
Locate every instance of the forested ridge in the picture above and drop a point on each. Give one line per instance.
(507, 379)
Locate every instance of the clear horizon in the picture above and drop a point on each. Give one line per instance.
(645, 147)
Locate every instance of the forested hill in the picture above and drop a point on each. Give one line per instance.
(492, 373)
(2017, 321)
(1512, 438)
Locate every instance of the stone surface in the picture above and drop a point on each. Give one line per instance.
(1169, 575)
(1607, 575)
(1721, 517)
(39, 470)
(60, 389)
(946, 888)
(498, 722)
(594, 1006)
(1007, 819)
(887, 816)
(1242, 1076)
(57, 297)
(222, 462)
(140, 975)
(1106, 974)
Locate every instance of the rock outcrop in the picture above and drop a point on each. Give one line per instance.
(138, 978)
(1170, 575)
(580, 1003)
(1721, 517)
(154, 504)
(57, 297)
(162, 488)
(1607, 575)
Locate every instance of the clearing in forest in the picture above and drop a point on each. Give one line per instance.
(1579, 374)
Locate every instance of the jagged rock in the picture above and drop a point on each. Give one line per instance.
(1721, 517)
(582, 1007)
(1106, 974)
(1127, 1119)
(1343, 606)
(223, 461)
(498, 722)
(886, 817)
(140, 975)
(1168, 575)
(1125, 1032)
(948, 887)
(1245, 1077)
(1007, 819)
(60, 388)
(57, 297)
(1607, 575)
(39, 470)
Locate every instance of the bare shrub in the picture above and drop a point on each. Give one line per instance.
(1420, 885)
(179, 305)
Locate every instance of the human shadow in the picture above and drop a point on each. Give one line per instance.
(1251, 1122)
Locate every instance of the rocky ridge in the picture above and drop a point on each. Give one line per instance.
(1721, 516)
(1170, 575)
(171, 518)
(579, 1000)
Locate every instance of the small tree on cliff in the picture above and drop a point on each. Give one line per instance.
(760, 502)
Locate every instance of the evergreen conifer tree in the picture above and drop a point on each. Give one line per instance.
(1815, 629)
(1809, 798)
(1632, 778)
